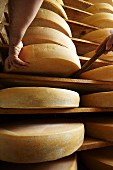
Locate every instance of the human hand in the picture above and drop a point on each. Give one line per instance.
(109, 43)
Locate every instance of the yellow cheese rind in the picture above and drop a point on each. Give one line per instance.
(60, 2)
(38, 97)
(39, 141)
(54, 6)
(47, 60)
(101, 99)
(47, 18)
(101, 20)
(104, 73)
(67, 163)
(101, 1)
(100, 7)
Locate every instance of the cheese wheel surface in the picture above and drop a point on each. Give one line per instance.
(47, 18)
(67, 163)
(101, 99)
(38, 97)
(47, 60)
(54, 6)
(60, 2)
(101, 20)
(104, 73)
(100, 1)
(34, 141)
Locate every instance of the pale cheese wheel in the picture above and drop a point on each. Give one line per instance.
(60, 2)
(105, 57)
(100, 1)
(34, 141)
(67, 163)
(97, 36)
(47, 18)
(54, 6)
(38, 97)
(47, 60)
(100, 99)
(39, 35)
(98, 159)
(101, 20)
(100, 7)
(101, 127)
(104, 73)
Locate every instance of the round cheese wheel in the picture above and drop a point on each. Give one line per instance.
(47, 18)
(38, 97)
(67, 163)
(39, 35)
(100, 7)
(100, 127)
(101, 99)
(97, 36)
(47, 60)
(104, 73)
(34, 141)
(106, 57)
(101, 20)
(101, 1)
(98, 159)
(54, 6)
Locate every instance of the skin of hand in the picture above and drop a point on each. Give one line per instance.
(109, 43)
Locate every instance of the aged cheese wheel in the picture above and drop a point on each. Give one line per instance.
(100, 7)
(39, 35)
(102, 20)
(47, 60)
(47, 18)
(97, 36)
(104, 73)
(34, 141)
(101, 127)
(54, 6)
(38, 97)
(101, 99)
(60, 2)
(67, 163)
(100, 1)
(106, 57)
(98, 159)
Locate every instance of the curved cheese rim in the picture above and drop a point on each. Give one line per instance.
(38, 97)
(60, 2)
(104, 73)
(47, 18)
(97, 36)
(48, 59)
(101, 1)
(100, 99)
(100, 7)
(67, 163)
(103, 20)
(54, 4)
(38, 35)
(105, 57)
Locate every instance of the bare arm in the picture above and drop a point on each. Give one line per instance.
(21, 14)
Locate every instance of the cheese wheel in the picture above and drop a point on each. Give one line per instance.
(54, 6)
(39, 35)
(104, 73)
(98, 159)
(101, 99)
(47, 60)
(60, 2)
(67, 163)
(106, 57)
(38, 97)
(101, 20)
(100, 7)
(47, 18)
(97, 36)
(100, 1)
(34, 141)
(101, 127)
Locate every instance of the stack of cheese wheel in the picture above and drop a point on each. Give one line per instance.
(98, 159)
(100, 99)
(38, 97)
(34, 141)
(100, 127)
(67, 163)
